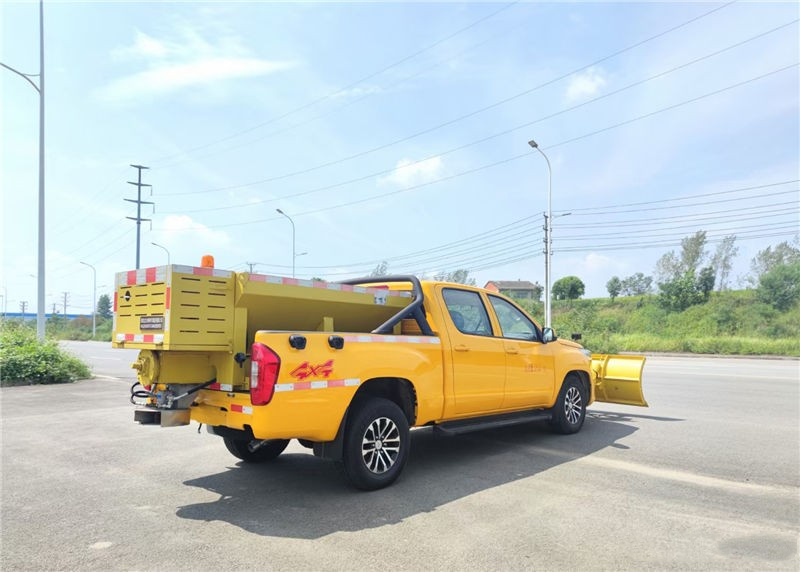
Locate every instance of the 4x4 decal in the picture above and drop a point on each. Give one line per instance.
(306, 370)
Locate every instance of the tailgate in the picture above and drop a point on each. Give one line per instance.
(618, 379)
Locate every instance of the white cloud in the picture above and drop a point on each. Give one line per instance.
(408, 173)
(162, 80)
(193, 61)
(585, 84)
(356, 92)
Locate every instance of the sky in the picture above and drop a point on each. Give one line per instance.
(395, 132)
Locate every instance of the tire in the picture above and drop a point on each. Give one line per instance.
(570, 409)
(269, 450)
(376, 444)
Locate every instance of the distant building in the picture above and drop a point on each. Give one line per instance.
(517, 289)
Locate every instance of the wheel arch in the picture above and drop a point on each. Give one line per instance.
(396, 389)
(585, 382)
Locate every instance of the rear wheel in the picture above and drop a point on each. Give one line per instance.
(376, 444)
(256, 451)
(570, 410)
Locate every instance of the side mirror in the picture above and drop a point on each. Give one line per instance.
(548, 335)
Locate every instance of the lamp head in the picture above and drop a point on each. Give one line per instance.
(280, 211)
(533, 143)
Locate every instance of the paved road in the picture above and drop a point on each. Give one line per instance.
(706, 478)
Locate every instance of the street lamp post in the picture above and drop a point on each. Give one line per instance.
(164, 249)
(40, 318)
(94, 298)
(294, 256)
(548, 232)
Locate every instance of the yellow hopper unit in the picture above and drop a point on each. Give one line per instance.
(211, 314)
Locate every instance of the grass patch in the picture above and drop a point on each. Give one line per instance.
(24, 360)
(730, 323)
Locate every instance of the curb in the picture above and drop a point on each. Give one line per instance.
(717, 356)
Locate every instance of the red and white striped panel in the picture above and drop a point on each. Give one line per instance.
(371, 338)
(221, 386)
(246, 409)
(269, 279)
(142, 276)
(323, 384)
(141, 338)
(161, 274)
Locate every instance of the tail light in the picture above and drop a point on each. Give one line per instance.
(264, 368)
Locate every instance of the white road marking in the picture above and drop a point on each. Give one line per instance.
(732, 375)
(689, 478)
(684, 477)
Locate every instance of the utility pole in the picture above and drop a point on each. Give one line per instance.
(66, 294)
(22, 307)
(94, 298)
(548, 244)
(40, 89)
(139, 202)
(251, 264)
(548, 252)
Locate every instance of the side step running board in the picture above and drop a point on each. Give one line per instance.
(491, 422)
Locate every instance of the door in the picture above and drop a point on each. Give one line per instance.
(479, 358)
(619, 379)
(530, 374)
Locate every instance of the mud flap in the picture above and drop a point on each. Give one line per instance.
(618, 379)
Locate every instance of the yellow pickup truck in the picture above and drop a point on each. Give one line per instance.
(347, 368)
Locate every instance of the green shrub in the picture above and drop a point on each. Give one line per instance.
(25, 360)
(780, 287)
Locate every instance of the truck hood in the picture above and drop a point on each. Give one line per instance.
(569, 344)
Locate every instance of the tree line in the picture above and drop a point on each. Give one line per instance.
(685, 277)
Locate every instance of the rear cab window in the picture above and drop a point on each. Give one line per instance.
(467, 312)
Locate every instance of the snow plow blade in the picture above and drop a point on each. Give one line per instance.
(618, 379)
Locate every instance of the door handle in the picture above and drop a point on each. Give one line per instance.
(513, 351)
(461, 348)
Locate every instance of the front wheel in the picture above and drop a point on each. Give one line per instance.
(570, 409)
(376, 444)
(256, 451)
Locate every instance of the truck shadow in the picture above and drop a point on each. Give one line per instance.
(300, 496)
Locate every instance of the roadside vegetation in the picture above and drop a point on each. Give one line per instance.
(729, 323)
(686, 306)
(24, 360)
(693, 310)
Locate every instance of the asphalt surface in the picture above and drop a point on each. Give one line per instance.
(707, 478)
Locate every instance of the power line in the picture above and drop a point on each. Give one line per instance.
(518, 127)
(692, 224)
(519, 156)
(347, 87)
(698, 98)
(683, 198)
(687, 217)
(670, 207)
(70, 224)
(460, 118)
(456, 258)
(667, 244)
(535, 251)
(738, 230)
(348, 102)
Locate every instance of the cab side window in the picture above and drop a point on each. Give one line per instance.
(467, 312)
(513, 323)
